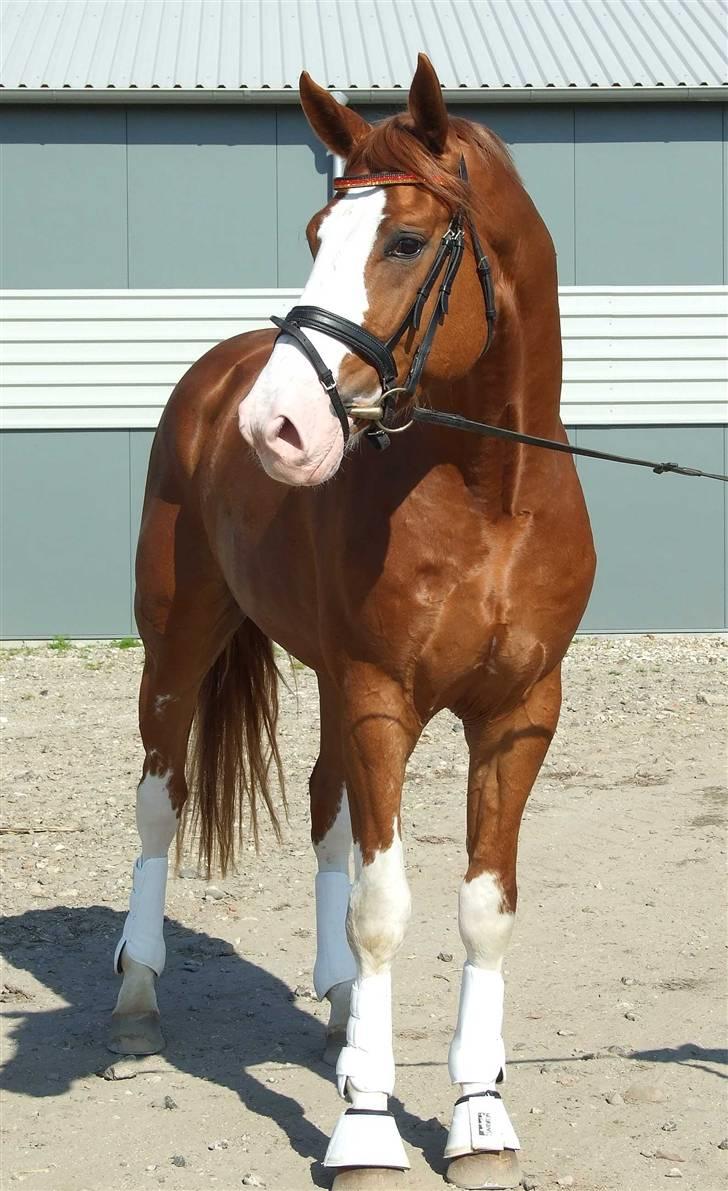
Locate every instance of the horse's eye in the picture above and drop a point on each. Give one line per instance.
(407, 246)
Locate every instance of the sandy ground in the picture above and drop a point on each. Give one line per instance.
(616, 975)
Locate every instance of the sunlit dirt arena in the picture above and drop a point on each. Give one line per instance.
(615, 976)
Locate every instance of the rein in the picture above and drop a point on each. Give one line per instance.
(379, 353)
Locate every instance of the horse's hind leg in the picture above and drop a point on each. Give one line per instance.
(505, 757)
(185, 622)
(335, 967)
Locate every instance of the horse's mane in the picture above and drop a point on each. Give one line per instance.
(392, 145)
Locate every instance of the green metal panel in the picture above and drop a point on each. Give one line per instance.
(202, 197)
(303, 181)
(140, 444)
(62, 197)
(659, 539)
(65, 533)
(542, 143)
(649, 194)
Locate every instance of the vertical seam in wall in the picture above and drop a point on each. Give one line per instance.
(126, 183)
(573, 189)
(276, 215)
(130, 550)
(725, 527)
(725, 195)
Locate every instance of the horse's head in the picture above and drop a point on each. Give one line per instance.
(373, 248)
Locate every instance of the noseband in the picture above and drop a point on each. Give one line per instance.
(377, 352)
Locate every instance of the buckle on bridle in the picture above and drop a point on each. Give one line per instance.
(453, 236)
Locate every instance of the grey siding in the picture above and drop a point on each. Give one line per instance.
(303, 186)
(63, 218)
(206, 197)
(65, 535)
(542, 144)
(200, 187)
(71, 505)
(648, 195)
(660, 539)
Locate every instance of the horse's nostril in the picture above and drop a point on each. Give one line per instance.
(287, 432)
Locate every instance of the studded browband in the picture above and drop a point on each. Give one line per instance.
(385, 179)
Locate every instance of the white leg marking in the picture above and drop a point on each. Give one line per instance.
(334, 850)
(156, 819)
(380, 908)
(335, 965)
(485, 927)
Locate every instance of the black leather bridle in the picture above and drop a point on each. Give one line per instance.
(377, 352)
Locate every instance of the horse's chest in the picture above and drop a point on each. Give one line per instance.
(459, 635)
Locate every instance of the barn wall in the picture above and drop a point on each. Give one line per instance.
(71, 504)
(109, 198)
(208, 197)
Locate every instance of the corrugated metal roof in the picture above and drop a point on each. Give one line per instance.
(362, 45)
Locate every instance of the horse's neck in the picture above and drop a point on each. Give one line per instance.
(516, 386)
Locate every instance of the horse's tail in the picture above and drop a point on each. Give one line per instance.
(233, 747)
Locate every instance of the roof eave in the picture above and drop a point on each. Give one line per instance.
(357, 95)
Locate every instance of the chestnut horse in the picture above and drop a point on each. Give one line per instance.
(448, 572)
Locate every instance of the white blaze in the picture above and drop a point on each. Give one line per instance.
(346, 239)
(288, 387)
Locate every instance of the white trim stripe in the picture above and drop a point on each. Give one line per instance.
(73, 359)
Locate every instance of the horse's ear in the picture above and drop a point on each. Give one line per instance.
(427, 106)
(337, 126)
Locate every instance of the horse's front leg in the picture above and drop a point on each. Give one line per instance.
(505, 757)
(335, 968)
(379, 730)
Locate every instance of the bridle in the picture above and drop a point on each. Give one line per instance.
(378, 352)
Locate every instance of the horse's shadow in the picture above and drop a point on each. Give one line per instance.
(222, 1021)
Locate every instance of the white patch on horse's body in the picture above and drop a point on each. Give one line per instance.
(380, 907)
(334, 848)
(287, 415)
(161, 702)
(485, 926)
(155, 816)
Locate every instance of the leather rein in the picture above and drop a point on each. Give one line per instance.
(379, 353)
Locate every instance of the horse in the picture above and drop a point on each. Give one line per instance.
(448, 571)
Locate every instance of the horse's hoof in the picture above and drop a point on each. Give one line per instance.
(335, 1040)
(136, 1034)
(485, 1171)
(369, 1178)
